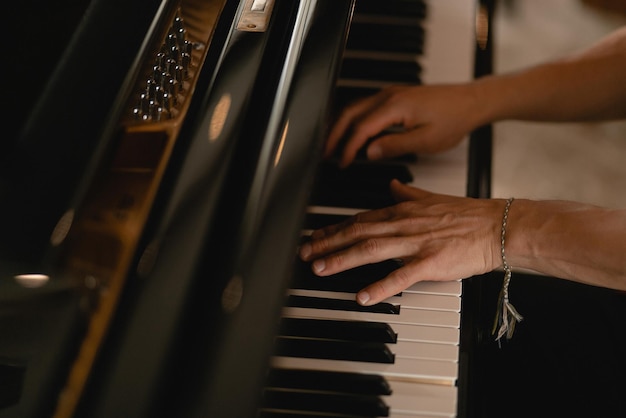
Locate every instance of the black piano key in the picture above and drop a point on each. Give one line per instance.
(386, 71)
(361, 331)
(364, 198)
(320, 220)
(334, 350)
(352, 405)
(405, 8)
(327, 381)
(369, 172)
(295, 301)
(300, 414)
(350, 281)
(400, 38)
(344, 95)
(360, 185)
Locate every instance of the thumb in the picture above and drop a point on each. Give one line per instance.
(403, 192)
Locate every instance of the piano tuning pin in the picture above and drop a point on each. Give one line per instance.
(167, 101)
(165, 79)
(157, 74)
(175, 54)
(158, 94)
(151, 87)
(144, 103)
(180, 36)
(161, 59)
(170, 67)
(156, 111)
(178, 74)
(170, 42)
(186, 63)
(178, 22)
(173, 88)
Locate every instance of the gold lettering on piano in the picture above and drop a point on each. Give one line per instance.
(218, 118)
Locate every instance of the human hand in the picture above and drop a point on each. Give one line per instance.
(437, 238)
(431, 118)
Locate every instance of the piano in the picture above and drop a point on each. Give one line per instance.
(161, 168)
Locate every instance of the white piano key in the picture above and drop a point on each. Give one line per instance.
(333, 210)
(407, 316)
(449, 54)
(406, 301)
(417, 415)
(419, 400)
(425, 301)
(429, 334)
(425, 351)
(452, 288)
(418, 370)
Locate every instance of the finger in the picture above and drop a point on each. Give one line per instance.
(370, 216)
(341, 236)
(394, 283)
(393, 145)
(372, 250)
(370, 124)
(342, 125)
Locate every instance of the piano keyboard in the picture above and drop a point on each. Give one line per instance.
(399, 358)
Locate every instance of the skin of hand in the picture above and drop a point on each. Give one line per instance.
(432, 119)
(440, 237)
(437, 237)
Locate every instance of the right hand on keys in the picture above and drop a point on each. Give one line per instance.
(431, 119)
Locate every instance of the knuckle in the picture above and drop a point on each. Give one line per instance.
(336, 262)
(371, 246)
(354, 230)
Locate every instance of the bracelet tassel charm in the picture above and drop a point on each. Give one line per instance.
(506, 315)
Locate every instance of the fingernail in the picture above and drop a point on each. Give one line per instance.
(374, 152)
(305, 251)
(363, 298)
(319, 266)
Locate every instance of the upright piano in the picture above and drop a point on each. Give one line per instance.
(162, 165)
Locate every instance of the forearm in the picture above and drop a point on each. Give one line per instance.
(588, 86)
(573, 241)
